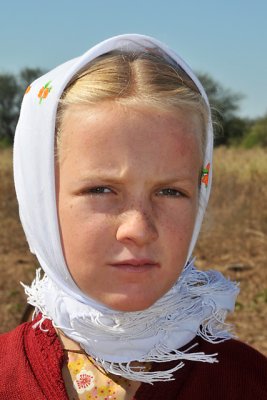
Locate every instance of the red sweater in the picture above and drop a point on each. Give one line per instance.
(31, 361)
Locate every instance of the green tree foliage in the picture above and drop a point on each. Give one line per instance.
(27, 76)
(229, 127)
(12, 89)
(257, 135)
(8, 106)
(236, 128)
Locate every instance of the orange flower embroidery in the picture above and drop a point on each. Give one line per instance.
(28, 89)
(44, 91)
(205, 175)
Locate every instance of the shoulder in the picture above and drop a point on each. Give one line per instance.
(240, 373)
(13, 359)
(31, 361)
(11, 343)
(234, 353)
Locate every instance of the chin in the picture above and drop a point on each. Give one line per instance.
(128, 305)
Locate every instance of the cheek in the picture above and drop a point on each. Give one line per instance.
(178, 229)
(83, 235)
(179, 235)
(84, 245)
(181, 218)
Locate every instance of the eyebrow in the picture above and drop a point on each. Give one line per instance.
(115, 178)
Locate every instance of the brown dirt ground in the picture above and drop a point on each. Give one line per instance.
(233, 240)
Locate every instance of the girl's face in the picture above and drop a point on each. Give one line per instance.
(127, 191)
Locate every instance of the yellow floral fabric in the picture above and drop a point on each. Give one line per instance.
(91, 383)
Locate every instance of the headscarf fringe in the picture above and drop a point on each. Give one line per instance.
(35, 298)
(139, 373)
(197, 296)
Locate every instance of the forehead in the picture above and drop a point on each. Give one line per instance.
(114, 130)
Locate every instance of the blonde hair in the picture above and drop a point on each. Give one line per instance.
(146, 78)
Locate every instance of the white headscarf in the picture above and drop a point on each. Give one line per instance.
(196, 304)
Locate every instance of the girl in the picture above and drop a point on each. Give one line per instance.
(112, 164)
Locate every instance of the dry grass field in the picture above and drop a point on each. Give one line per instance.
(233, 240)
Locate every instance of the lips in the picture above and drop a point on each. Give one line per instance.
(135, 265)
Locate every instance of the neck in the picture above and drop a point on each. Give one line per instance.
(69, 344)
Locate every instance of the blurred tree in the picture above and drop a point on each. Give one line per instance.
(11, 92)
(8, 106)
(224, 104)
(257, 135)
(28, 75)
(237, 128)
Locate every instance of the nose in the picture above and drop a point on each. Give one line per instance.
(136, 227)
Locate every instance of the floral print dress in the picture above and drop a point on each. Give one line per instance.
(92, 383)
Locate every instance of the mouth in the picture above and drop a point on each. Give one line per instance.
(136, 265)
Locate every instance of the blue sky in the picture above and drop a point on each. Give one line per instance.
(227, 39)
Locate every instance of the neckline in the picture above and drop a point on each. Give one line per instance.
(46, 354)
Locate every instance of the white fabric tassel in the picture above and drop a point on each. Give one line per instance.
(196, 305)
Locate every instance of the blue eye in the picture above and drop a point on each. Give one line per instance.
(99, 190)
(170, 192)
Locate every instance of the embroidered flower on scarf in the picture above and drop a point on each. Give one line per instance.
(44, 91)
(28, 89)
(205, 175)
(84, 381)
